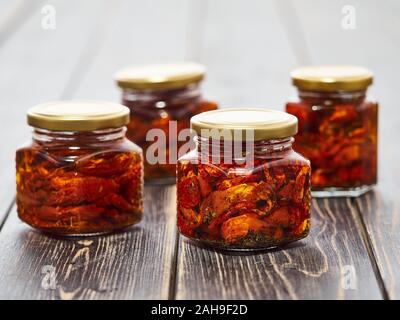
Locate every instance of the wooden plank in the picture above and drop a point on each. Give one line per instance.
(373, 44)
(132, 264)
(317, 267)
(35, 67)
(380, 214)
(145, 32)
(247, 54)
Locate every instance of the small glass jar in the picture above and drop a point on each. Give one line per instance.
(162, 97)
(337, 128)
(243, 191)
(79, 175)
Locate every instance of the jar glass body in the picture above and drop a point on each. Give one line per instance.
(80, 183)
(338, 133)
(231, 205)
(158, 109)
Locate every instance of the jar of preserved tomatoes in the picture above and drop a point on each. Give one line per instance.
(243, 187)
(163, 98)
(79, 175)
(337, 128)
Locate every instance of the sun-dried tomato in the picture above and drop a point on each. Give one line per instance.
(238, 227)
(105, 164)
(78, 192)
(145, 115)
(189, 192)
(237, 207)
(339, 139)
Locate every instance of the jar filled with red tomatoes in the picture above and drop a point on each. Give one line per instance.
(162, 99)
(79, 175)
(243, 187)
(337, 128)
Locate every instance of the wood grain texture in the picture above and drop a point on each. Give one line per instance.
(152, 31)
(380, 214)
(246, 50)
(314, 268)
(133, 264)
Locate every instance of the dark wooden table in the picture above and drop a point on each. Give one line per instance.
(249, 47)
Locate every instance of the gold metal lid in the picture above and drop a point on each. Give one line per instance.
(160, 76)
(76, 115)
(265, 124)
(332, 78)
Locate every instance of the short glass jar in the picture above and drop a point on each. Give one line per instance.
(162, 97)
(79, 175)
(337, 128)
(243, 187)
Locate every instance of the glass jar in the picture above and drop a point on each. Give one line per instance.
(337, 128)
(245, 191)
(79, 175)
(162, 98)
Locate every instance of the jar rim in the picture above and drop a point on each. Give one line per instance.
(332, 78)
(244, 124)
(78, 115)
(160, 76)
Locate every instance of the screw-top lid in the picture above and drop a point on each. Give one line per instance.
(332, 78)
(78, 115)
(265, 124)
(160, 76)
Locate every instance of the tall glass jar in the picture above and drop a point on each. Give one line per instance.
(337, 128)
(79, 175)
(243, 187)
(162, 99)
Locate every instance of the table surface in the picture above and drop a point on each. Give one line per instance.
(249, 49)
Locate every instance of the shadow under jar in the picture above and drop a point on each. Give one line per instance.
(162, 97)
(337, 128)
(79, 175)
(243, 187)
